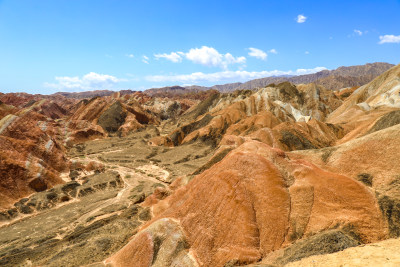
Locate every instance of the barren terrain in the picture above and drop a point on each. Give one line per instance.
(287, 174)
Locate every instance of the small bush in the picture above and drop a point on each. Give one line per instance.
(365, 178)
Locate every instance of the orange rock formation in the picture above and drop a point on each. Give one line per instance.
(257, 200)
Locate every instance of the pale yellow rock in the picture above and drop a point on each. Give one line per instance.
(384, 253)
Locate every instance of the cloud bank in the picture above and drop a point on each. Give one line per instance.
(90, 81)
(227, 76)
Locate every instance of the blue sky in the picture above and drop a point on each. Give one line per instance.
(50, 46)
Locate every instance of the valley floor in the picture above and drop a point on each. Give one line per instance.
(95, 215)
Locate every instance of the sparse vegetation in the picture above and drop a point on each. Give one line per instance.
(390, 208)
(295, 141)
(112, 118)
(365, 178)
(322, 243)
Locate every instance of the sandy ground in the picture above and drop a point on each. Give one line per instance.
(384, 253)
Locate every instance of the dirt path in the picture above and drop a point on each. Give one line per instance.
(129, 183)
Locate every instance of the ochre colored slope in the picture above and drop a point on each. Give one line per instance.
(375, 154)
(257, 200)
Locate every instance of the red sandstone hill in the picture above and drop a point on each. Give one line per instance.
(255, 201)
(31, 157)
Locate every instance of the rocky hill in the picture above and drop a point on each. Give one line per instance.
(289, 174)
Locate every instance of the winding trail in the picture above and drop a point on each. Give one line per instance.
(129, 183)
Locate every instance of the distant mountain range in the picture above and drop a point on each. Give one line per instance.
(90, 94)
(174, 90)
(331, 79)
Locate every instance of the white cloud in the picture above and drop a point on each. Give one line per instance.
(173, 57)
(358, 32)
(205, 55)
(145, 59)
(227, 76)
(389, 39)
(273, 51)
(130, 55)
(90, 81)
(307, 53)
(209, 56)
(229, 59)
(301, 18)
(257, 53)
